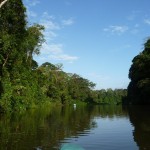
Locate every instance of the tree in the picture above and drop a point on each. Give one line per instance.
(12, 31)
(79, 87)
(18, 85)
(139, 73)
(33, 42)
(24, 84)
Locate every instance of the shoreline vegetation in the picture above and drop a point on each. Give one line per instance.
(25, 85)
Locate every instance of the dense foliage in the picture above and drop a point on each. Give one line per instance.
(24, 84)
(139, 73)
(109, 96)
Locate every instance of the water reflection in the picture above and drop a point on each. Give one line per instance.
(140, 118)
(109, 131)
(48, 129)
(43, 128)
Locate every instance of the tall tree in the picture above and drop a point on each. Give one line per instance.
(18, 43)
(12, 31)
(33, 42)
(139, 73)
(79, 87)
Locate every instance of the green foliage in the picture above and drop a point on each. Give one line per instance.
(19, 88)
(109, 96)
(62, 87)
(24, 84)
(79, 88)
(139, 73)
(33, 42)
(5, 101)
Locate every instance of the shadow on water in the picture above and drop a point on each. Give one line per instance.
(140, 119)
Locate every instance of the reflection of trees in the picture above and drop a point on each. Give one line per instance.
(43, 127)
(140, 119)
(22, 131)
(47, 127)
(109, 111)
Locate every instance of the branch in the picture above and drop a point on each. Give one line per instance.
(2, 3)
(5, 61)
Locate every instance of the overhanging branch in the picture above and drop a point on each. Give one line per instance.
(2, 3)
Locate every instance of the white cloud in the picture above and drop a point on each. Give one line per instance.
(32, 2)
(116, 29)
(31, 14)
(49, 35)
(147, 21)
(51, 26)
(52, 49)
(68, 22)
(64, 57)
(54, 52)
(49, 22)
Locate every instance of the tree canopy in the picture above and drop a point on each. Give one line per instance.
(139, 73)
(24, 84)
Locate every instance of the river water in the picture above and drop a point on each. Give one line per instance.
(83, 127)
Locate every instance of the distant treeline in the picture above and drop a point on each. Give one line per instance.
(109, 96)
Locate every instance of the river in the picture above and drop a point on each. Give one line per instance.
(83, 127)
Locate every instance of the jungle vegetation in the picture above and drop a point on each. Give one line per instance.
(24, 84)
(139, 73)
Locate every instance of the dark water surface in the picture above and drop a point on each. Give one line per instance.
(91, 127)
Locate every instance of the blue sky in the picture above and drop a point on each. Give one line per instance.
(96, 39)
